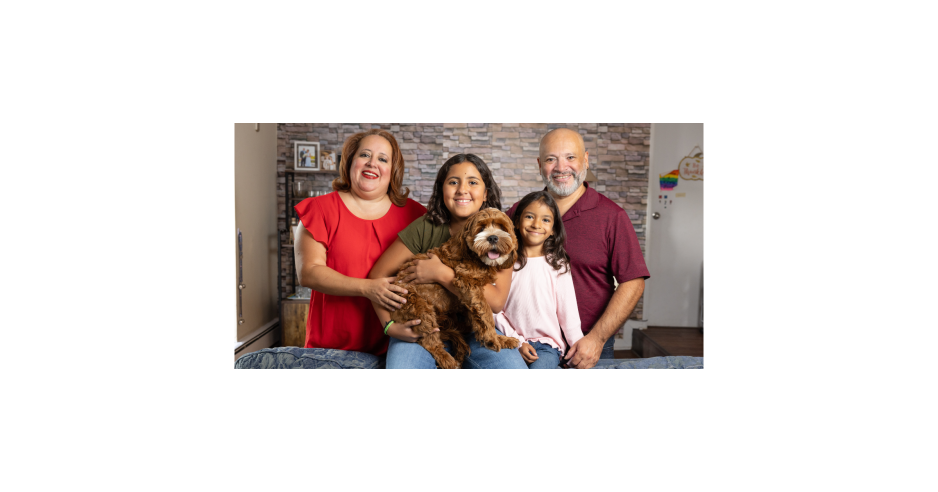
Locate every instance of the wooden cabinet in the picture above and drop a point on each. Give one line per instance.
(293, 320)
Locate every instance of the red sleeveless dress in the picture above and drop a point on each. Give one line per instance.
(353, 246)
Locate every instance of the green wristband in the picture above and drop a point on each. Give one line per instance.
(386, 325)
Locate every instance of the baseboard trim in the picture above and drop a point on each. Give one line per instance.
(256, 336)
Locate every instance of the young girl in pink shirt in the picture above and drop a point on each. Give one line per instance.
(541, 309)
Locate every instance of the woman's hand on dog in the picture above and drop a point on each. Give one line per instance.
(429, 271)
(404, 331)
(527, 352)
(385, 293)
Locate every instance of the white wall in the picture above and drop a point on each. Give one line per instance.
(674, 245)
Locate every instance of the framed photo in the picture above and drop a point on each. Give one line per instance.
(306, 156)
(329, 161)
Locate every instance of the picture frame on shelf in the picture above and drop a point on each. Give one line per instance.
(329, 161)
(306, 156)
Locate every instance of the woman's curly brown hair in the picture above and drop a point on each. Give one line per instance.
(437, 213)
(350, 149)
(554, 251)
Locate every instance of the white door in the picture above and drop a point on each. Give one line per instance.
(256, 218)
(674, 249)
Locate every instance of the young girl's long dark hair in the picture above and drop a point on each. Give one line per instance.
(554, 251)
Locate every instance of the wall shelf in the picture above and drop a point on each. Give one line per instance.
(286, 267)
(294, 171)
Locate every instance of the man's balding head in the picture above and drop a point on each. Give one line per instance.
(563, 161)
(562, 133)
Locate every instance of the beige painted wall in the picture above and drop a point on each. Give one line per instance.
(256, 217)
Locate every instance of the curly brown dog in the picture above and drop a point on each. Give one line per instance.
(486, 245)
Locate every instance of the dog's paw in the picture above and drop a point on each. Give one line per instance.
(499, 343)
(446, 361)
(507, 342)
(491, 344)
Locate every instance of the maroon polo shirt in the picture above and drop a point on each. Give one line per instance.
(602, 244)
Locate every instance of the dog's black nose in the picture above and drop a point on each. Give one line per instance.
(493, 239)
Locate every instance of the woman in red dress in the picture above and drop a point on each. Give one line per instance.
(340, 237)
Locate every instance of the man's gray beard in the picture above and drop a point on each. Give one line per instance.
(578, 179)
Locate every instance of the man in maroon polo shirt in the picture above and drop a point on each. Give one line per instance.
(601, 243)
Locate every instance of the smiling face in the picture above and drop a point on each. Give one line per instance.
(370, 172)
(463, 191)
(490, 235)
(536, 225)
(563, 161)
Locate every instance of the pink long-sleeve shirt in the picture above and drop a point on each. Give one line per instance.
(541, 304)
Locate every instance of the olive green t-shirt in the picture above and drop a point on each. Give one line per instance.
(422, 236)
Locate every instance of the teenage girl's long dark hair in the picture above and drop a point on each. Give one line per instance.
(437, 213)
(554, 250)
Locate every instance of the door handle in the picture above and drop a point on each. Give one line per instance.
(655, 215)
(241, 285)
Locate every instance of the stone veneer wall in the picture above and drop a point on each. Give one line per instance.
(618, 155)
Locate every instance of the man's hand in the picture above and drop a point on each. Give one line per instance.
(584, 353)
(528, 353)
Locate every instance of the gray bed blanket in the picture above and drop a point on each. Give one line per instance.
(314, 358)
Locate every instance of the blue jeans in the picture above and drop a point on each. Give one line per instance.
(608, 349)
(547, 357)
(406, 355)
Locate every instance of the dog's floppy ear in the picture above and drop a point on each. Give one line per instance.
(510, 263)
(459, 248)
(469, 230)
(454, 248)
(509, 227)
(506, 224)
